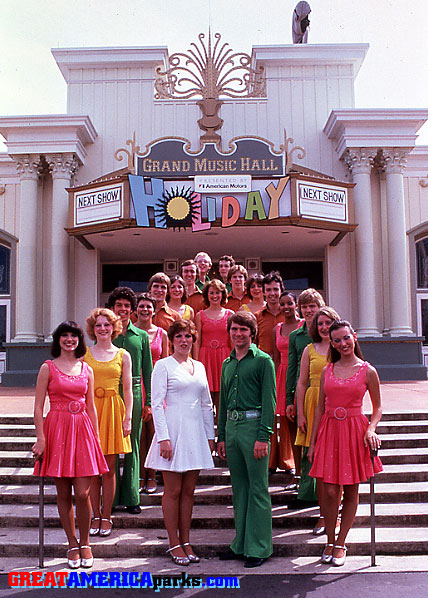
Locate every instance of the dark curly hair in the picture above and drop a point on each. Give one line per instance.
(122, 293)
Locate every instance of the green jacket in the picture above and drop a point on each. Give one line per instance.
(298, 340)
(137, 343)
(248, 384)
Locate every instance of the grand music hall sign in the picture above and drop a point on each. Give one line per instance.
(175, 188)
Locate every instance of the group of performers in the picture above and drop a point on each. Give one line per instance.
(283, 378)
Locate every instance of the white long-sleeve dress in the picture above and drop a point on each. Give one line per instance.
(182, 413)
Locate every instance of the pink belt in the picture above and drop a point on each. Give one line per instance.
(341, 413)
(71, 406)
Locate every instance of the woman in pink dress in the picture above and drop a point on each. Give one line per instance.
(213, 343)
(146, 308)
(68, 441)
(342, 436)
(282, 449)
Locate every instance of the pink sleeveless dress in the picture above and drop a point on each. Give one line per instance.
(215, 347)
(156, 346)
(72, 449)
(340, 455)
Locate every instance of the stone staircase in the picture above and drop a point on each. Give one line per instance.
(401, 504)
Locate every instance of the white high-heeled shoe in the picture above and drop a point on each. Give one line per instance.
(338, 561)
(326, 558)
(87, 563)
(73, 563)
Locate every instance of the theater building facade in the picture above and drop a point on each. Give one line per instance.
(262, 156)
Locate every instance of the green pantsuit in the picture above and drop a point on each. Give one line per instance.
(250, 486)
(137, 343)
(248, 387)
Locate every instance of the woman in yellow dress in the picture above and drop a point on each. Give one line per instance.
(314, 359)
(110, 365)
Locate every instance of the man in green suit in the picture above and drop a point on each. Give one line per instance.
(247, 411)
(123, 302)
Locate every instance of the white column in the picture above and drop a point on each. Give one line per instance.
(359, 162)
(399, 292)
(62, 168)
(27, 330)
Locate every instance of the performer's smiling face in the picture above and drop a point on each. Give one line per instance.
(240, 336)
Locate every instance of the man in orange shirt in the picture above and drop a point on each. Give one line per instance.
(269, 316)
(158, 287)
(237, 296)
(189, 272)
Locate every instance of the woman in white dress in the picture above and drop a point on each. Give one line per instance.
(184, 435)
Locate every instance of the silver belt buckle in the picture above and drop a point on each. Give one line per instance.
(340, 413)
(235, 415)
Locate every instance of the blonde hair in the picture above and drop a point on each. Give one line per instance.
(114, 320)
(309, 296)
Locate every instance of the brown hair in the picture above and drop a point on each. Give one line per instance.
(114, 320)
(258, 278)
(160, 277)
(333, 354)
(180, 325)
(181, 281)
(146, 297)
(234, 270)
(219, 286)
(330, 313)
(243, 318)
(309, 296)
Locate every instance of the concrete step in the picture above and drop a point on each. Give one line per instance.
(17, 430)
(221, 516)
(404, 456)
(401, 492)
(14, 473)
(126, 543)
(400, 441)
(403, 427)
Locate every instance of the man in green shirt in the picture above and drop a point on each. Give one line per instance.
(123, 302)
(247, 410)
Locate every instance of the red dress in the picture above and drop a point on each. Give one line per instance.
(340, 455)
(215, 347)
(71, 447)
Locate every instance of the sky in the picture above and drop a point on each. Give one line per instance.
(394, 73)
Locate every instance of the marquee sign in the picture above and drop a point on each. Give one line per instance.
(99, 204)
(171, 159)
(178, 206)
(323, 202)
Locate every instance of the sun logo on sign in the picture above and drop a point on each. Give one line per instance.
(177, 209)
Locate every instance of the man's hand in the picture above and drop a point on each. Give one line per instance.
(146, 414)
(261, 449)
(290, 412)
(221, 449)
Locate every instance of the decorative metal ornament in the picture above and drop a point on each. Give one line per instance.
(210, 72)
(301, 152)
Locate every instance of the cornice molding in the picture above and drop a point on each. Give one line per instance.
(309, 54)
(374, 128)
(48, 134)
(69, 59)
